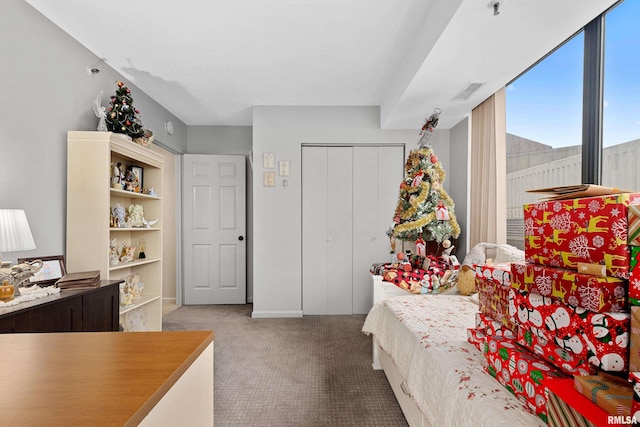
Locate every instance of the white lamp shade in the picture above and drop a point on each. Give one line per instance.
(15, 235)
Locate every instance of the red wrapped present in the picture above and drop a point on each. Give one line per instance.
(600, 338)
(563, 359)
(520, 371)
(591, 230)
(499, 273)
(489, 326)
(612, 394)
(493, 300)
(633, 217)
(568, 408)
(476, 337)
(595, 293)
(634, 275)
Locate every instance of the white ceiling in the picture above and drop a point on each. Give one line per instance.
(209, 61)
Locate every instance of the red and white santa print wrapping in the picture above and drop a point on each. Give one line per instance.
(600, 338)
(595, 293)
(591, 230)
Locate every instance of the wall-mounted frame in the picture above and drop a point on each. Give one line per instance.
(283, 167)
(269, 179)
(53, 268)
(268, 160)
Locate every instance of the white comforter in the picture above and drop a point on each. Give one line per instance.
(426, 337)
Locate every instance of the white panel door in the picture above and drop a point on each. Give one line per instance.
(327, 230)
(214, 227)
(314, 230)
(340, 230)
(377, 173)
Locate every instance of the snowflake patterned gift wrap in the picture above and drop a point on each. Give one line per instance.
(563, 359)
(589, 230)
(601, 338)
(595, 293)
(520, 371)
(612, 394)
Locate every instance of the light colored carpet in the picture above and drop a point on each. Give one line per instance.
(310, 371)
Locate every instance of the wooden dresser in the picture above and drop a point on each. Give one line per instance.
(90, 310)
(107, 379)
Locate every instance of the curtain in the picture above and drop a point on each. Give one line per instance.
(487, 200)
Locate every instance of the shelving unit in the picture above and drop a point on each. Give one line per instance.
(90, 198)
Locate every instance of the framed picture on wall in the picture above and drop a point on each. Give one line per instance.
(53, 268)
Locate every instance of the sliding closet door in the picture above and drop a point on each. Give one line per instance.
(327, 230)
(377, 173)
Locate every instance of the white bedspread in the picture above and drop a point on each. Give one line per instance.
(426, 337)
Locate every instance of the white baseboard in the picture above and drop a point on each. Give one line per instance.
(275, 314)
(169, 301)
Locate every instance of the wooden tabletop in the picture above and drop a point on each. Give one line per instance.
(91, 378)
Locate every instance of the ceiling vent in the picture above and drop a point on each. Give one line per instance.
(469, 90)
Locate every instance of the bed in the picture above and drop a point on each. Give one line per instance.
(420, 341)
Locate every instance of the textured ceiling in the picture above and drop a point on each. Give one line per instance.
(209, 61)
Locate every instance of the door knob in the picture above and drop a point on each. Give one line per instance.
(241, 238)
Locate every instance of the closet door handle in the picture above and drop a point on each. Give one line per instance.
(241, 238)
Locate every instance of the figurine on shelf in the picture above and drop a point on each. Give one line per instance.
(118, 214)
(152, 192)
(127, 252)
(113, 253)
(141, 254)
(116, 177)
(136, 215)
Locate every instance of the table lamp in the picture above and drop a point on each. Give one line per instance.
(15, 236)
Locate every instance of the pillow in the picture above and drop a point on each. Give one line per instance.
(508, 253)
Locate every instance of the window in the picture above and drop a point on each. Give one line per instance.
(546, 145)
(544, 129)
(621, 124)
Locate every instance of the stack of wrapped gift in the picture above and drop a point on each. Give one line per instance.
(517, 368)
(573, 291)
(570, 300)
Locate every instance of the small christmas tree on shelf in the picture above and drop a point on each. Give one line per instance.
(122, 117)
(425, 212)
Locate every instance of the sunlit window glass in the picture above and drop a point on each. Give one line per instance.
(544, 130)
(621, 126)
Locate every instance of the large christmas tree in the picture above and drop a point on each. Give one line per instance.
(425, 212)
(122, 117)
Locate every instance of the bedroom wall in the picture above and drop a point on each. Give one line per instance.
(458, 178)
(46, 91)
(277, 224)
